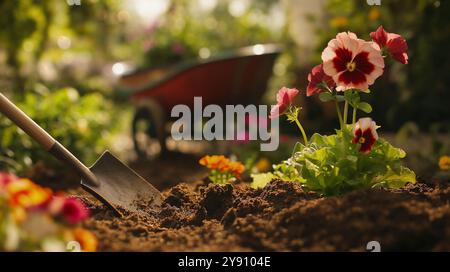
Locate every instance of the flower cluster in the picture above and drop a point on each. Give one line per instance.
(350, 65)
(34, 218)
(355, 156)
(223, 170)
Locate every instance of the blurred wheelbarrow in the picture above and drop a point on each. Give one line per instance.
(237, 77)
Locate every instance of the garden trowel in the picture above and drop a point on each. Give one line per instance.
(109, 180)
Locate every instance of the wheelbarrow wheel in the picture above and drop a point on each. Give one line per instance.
(148, 131)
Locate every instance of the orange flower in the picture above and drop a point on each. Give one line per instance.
(236, 168)
(225, 168)
(87, 239)
(217, 162)
(26, 194)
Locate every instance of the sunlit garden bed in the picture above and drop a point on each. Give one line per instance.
(281, 217)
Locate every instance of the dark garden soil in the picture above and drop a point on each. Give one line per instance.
(281, 217)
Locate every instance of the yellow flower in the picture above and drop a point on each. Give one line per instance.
(444, 163)
(374, 14)
(24, 193)
(87, 239)
(262, 165)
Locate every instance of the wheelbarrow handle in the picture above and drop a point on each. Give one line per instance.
(17, 116)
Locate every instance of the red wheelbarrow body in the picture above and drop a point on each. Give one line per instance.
(237, 77)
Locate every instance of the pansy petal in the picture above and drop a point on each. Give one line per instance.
(365, 133)
(292, 93)
(352, 62)
(380, 36)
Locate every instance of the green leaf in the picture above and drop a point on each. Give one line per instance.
(395, 181)
(326, 97)
(297, 148)
(365, 107)
(319, 157)
(390, 152)
(322, 141)
(317, 139)
(261, 180)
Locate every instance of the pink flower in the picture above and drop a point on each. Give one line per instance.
(352, 62)
(6, 178)
(285, 96)
(74, 211)
(393, 43)
(316, 77)
(365, 133)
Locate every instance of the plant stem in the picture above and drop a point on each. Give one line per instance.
(345, 112)
(302, 131)
(339, 114)
(354, 116)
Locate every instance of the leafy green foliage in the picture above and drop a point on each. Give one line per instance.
(81, 123)
(30, 35)
(332, 165)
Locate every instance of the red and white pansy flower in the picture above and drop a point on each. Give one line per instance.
(351, 62)
(393, 43)
(365, 133)
(316, 78)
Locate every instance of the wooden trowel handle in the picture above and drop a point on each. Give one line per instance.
(30, 127)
